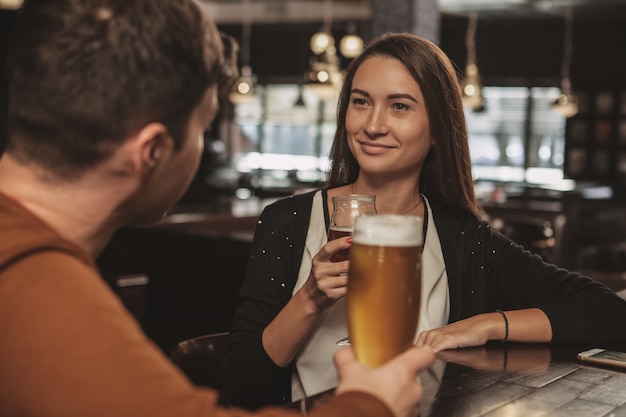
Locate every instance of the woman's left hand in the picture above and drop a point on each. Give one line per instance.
(530, 325)
(473, 331)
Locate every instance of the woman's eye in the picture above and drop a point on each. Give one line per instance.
(400, 106)
(359, 101)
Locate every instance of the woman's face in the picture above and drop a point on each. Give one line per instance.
(386, 121)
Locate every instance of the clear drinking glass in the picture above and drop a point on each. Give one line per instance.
(345, 209)
(383, 299)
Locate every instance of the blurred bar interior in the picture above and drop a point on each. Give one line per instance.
(544, 85)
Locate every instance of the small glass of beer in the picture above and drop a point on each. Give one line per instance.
(383, 299)
(345, 209)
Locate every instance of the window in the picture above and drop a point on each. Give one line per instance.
(518, 137)
(273, 133)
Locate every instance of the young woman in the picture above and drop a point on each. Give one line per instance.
(401, 135)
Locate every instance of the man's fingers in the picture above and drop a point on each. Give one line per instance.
(417, 358)
(344, 356)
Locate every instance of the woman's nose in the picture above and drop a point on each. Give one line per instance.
(376, 123)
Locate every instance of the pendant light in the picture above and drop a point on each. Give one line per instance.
(243, 90)
(324, 74)
(324, 77)
(300, 99)
(567, 103)
(351, 45)
(471, 93)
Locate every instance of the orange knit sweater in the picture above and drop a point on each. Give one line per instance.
(69, 348)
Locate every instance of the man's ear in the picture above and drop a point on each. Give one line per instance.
(152, 142)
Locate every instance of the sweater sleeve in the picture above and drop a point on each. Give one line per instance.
(349, 404)
(70, 348)
(251, 378)
(580, 309)
(487, 271)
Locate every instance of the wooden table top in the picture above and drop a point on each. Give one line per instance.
(517, 380)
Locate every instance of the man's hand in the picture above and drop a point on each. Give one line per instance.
(395, 383)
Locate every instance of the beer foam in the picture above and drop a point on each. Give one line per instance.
(341, 229)
(388, 230)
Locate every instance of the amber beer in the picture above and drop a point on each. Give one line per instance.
(335, 232)
(384, 285)
(345, 209)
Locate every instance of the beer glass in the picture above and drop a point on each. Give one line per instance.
(384, 286)
(345, 209)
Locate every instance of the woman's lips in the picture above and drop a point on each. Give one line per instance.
(374, 148)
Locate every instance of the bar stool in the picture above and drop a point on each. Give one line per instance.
(200, 358)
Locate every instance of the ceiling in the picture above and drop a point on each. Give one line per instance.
(284, 11)
(290, 11)
(533, 7)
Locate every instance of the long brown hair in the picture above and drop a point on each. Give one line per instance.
(446, 175)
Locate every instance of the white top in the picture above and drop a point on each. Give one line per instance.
(314, 371)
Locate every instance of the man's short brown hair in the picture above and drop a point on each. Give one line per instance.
(85, 74)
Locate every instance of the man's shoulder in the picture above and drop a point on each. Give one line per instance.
(23, 234)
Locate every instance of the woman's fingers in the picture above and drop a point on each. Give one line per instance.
(332, 247)
(464, 333)
(328, 280)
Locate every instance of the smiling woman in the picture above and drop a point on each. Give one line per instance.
(401, 135)
(387, 122)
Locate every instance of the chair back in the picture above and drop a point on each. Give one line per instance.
(200, 359)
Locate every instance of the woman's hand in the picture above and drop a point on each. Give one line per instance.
(529, 325)
(473, 331)
(328, 280)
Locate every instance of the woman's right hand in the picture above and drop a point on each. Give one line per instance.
(328, 280)
(286, 334)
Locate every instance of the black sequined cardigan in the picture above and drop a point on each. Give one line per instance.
(486, 272)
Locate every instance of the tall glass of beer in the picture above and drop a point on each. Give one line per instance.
(345, 209)
(384, 285)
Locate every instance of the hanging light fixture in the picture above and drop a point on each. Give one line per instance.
(300, 99)
(324, 76)
(321, 41)
(351, 45)
(324, 72)
(471, 93)
(244, 88)
(567, 103)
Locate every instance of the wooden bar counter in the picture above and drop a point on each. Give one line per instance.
(516, 380)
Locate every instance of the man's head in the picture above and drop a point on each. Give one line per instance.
(84, 75)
